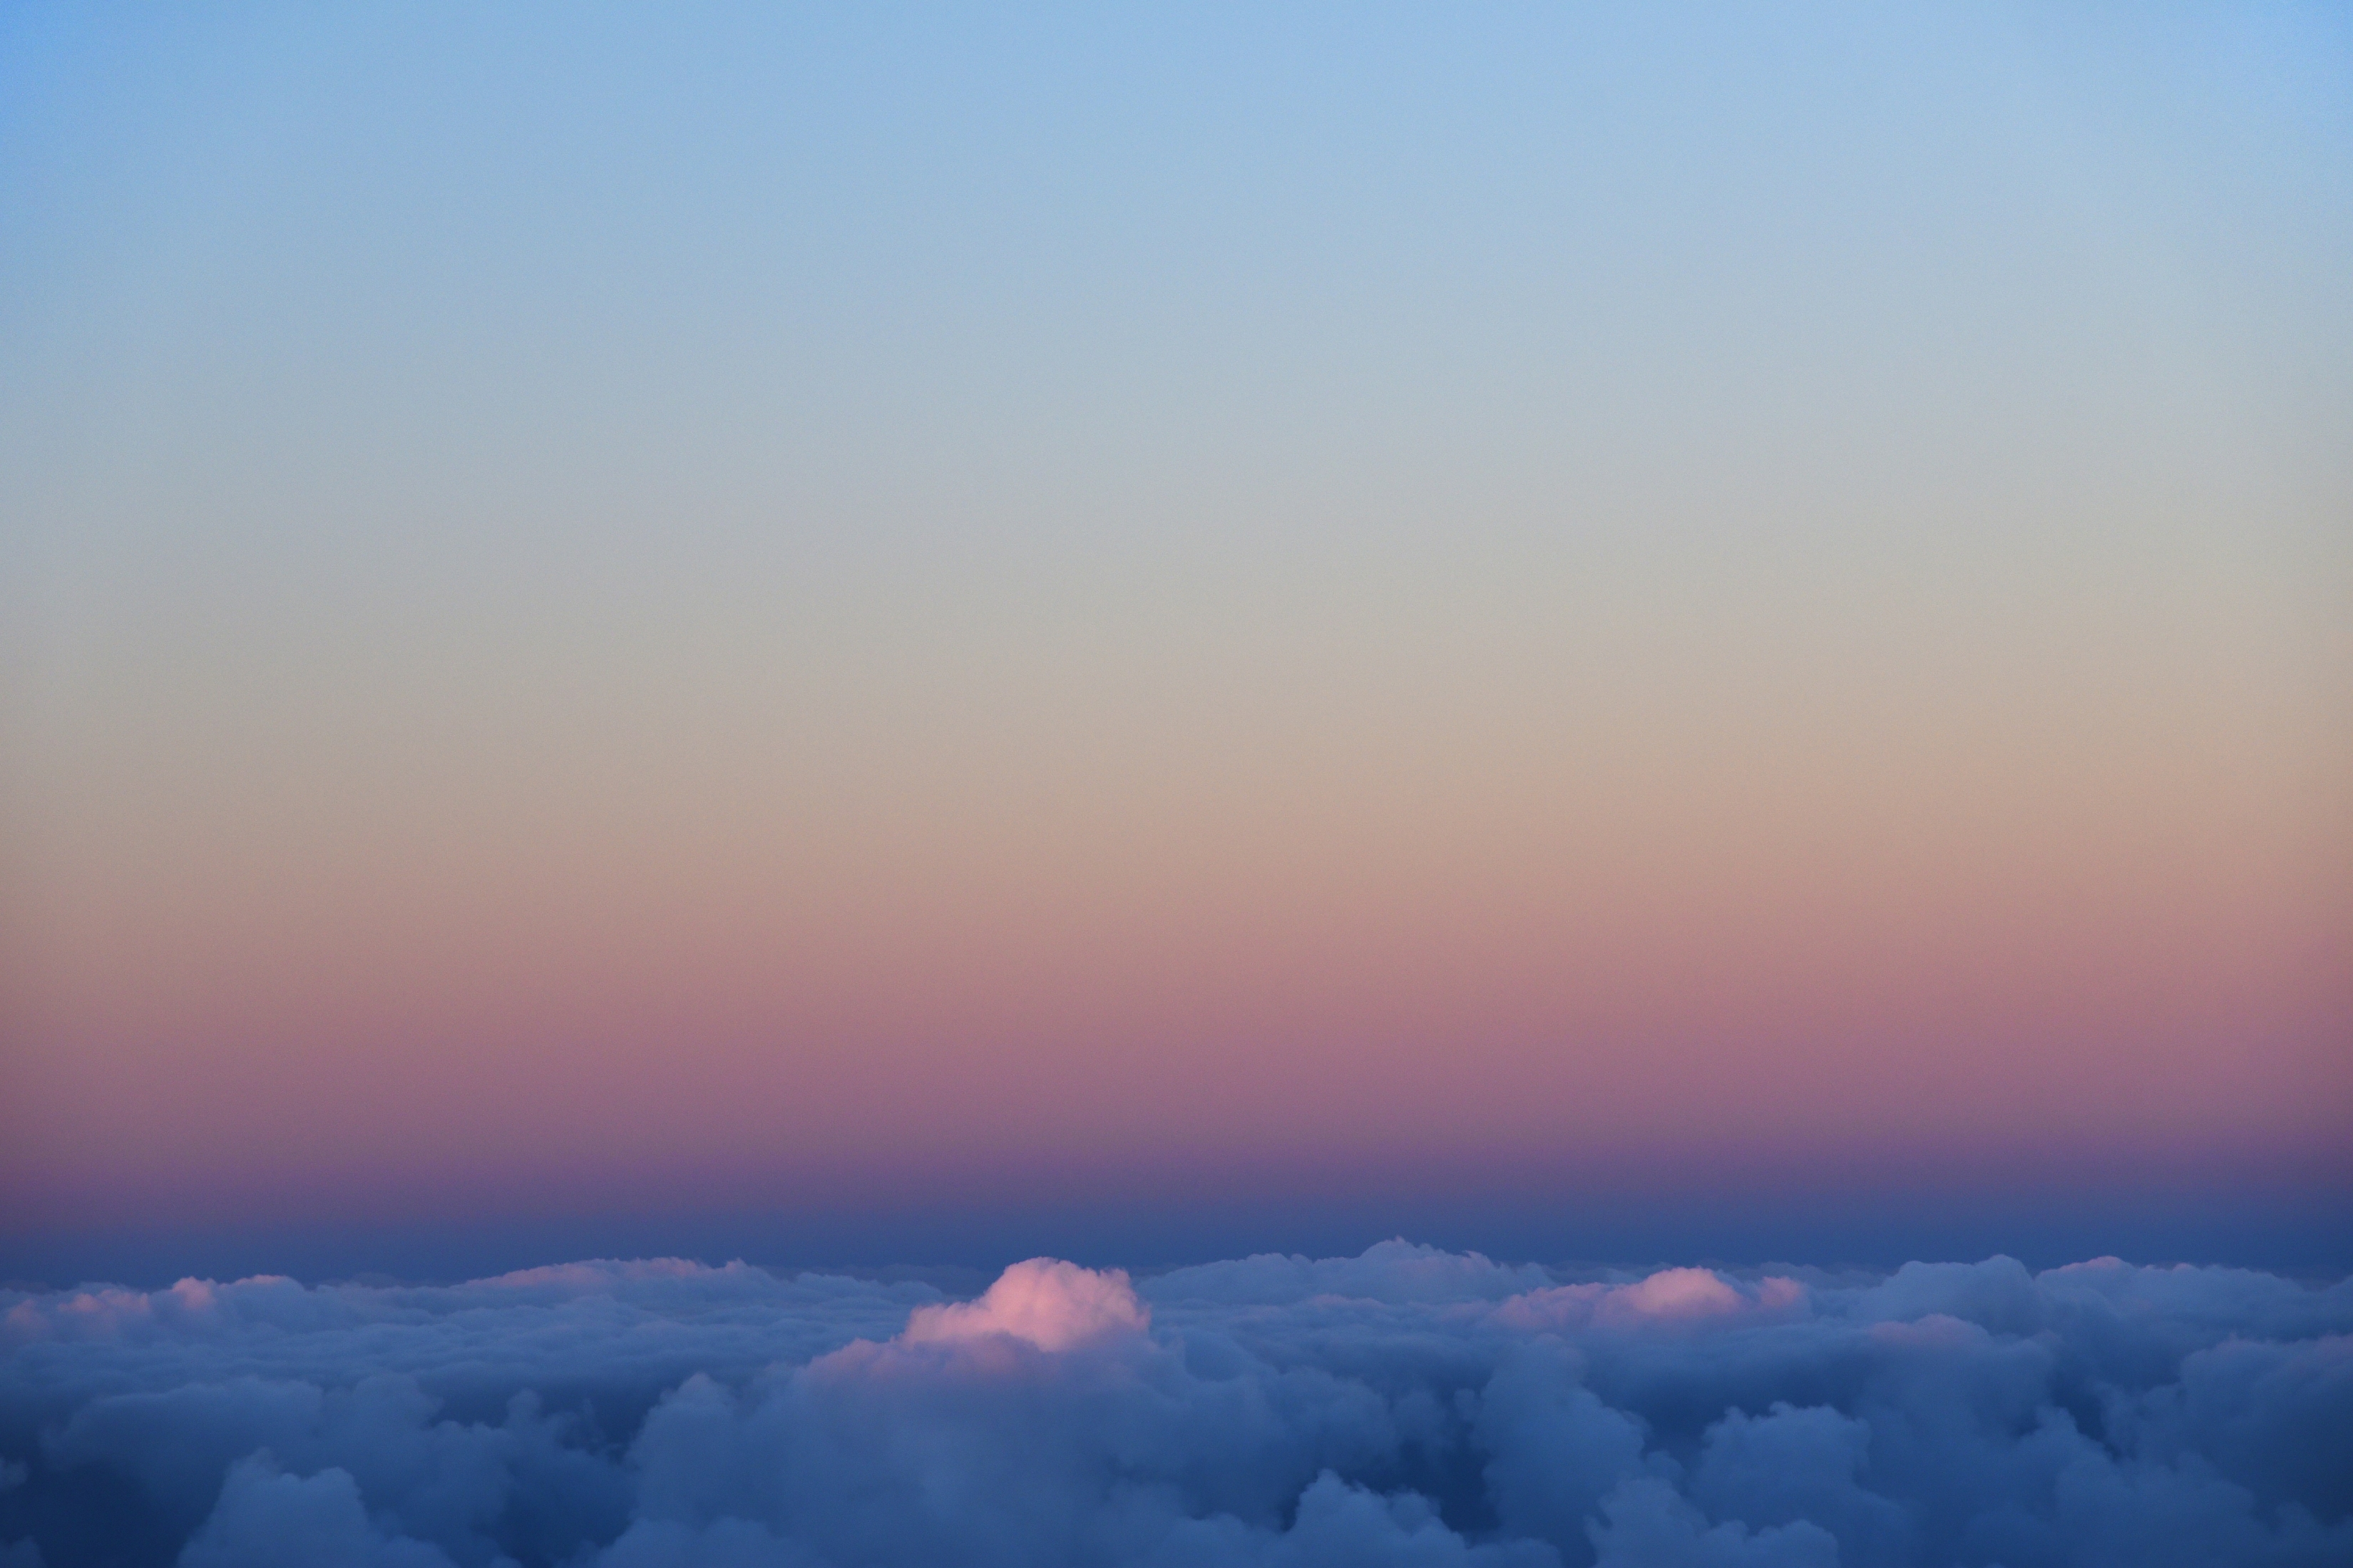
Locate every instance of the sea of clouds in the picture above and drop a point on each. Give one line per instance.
(1408, 1406)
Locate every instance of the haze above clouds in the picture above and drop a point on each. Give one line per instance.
(1406, 1406)
(1173, 605)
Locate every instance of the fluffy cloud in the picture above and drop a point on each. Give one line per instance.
(1044, 1303)
(1407, 1406)
(1669, 1296)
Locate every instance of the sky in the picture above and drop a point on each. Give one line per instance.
(1143, 631)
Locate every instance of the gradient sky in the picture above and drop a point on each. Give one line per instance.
(824, 612)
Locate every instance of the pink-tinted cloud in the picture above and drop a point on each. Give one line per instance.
(1044, 1302)
(1670, 1296)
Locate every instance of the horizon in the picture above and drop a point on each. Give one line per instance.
(2280, 1230)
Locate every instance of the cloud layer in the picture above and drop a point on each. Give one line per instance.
(1407, 1406)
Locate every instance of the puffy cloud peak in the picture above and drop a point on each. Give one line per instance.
(1670, 1297)
(1045, 1302)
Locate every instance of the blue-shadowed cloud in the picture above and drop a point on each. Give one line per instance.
(1405, 1406)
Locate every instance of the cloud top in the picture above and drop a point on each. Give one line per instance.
(1670, 1296)
(1407, 1406)
(1044, 1302)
